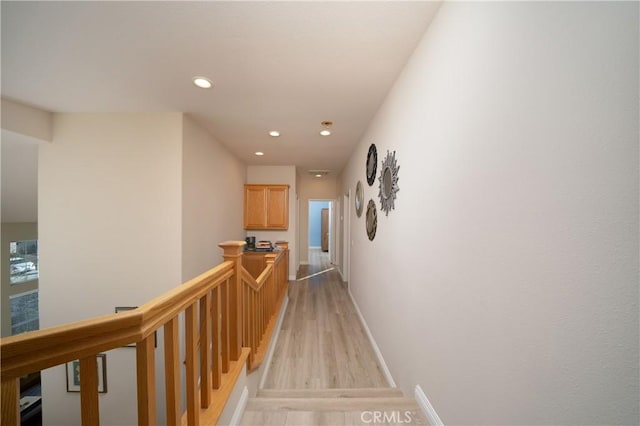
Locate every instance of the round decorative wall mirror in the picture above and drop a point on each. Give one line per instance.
(359, 199)
(372, 220)
(388, 183)
(372, 164)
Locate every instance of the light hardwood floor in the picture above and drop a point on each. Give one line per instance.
(322, 343)
(324, 371)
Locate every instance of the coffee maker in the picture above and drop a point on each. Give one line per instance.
(251, 243)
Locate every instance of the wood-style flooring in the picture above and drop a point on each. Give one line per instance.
(322, 344)
(324, 371)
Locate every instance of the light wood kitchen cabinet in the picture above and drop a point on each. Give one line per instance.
(266, 207)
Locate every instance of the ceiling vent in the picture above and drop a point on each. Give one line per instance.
(319, 173)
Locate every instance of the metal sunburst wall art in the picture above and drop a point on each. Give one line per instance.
(388, 183)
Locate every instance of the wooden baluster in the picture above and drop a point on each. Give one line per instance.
(258, 318)
(146, 377)
(277, 285)
(259, 327)
(172, 372)
(246, 316)
(215, 339)
(267, 300)
(90, 412)
(279, 281)
(193, 411)
(10, 401)
(262, 310)
(251, 323)
(261, 316)
(263, 326)
(265, 307)
(254, 323)
(252, 320)
(233, 252)
(205, 355)
(274, 292)
(224, 323)
(270, 297)
(270, 259)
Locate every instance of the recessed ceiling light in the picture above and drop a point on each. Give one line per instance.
(274, 133)
(318, 175)
(259, 153)
(325, 132)
(202, 82)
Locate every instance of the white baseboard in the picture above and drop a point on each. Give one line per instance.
(314, 247)
(376, 349)
(342, 276)
(274, 341)
(426, 407)
(239, 411)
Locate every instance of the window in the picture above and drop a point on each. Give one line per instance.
(23, 260)
(24, 312)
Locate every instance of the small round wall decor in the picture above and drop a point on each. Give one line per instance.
(372, 220)
(372, 164)
(388, 183)
(359, 199)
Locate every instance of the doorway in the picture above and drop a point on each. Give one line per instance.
(321, 245)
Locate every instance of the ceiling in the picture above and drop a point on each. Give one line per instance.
(283, 66)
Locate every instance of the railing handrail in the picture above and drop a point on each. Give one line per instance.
(228, 319)
(37, 350)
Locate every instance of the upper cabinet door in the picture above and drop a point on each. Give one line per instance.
(266, 207)
(255, 207)
(278, 207)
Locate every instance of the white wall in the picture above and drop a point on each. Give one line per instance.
(285, 175)
(19, 198)
(212, 194)
(505, 282)
(110, 235)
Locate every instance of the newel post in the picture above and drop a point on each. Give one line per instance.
(233, 251)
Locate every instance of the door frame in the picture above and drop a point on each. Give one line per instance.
(332, 225)
(346, 236)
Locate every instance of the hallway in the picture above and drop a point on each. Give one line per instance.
(322, 344)
(324, 370)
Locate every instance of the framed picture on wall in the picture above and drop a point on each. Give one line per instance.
(73, 374)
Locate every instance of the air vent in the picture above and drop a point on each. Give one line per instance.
(319, 173)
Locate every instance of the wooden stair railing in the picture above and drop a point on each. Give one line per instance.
(262, 301)
(217, 324)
